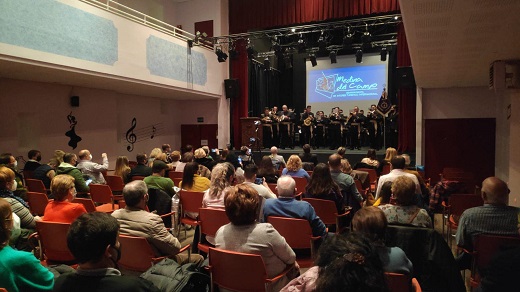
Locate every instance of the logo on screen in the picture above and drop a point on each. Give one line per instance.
(336, 85)
(326, 85)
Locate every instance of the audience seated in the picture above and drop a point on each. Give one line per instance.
(389, 155)
(267, 171)
(307, 157)
(93, 240)
(231, 156)
(371, 159)
(192, 181)
(277, 160)
(294, 168)
(18, 205)
(61, 209)
(202, 158)
(262, 189)
(141, 169)
(287, 206)
(122, 168)
(221, 177)
(405, 211)
(8, 160)
(153, 154)
(346, 183)
(136, 221)
(245, 234)
(68, 167)
(35, 157)
(371, 221)
(19, 270)
(322, 186)
(397, 165)
(175, 157)
(92, 169)
(345, 263)
(167, 149)
(385, 195)
(157, 179)
(495, 217)
(245, 156)
(46, 172)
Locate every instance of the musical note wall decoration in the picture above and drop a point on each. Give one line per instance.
(74, 138)
(135, 135)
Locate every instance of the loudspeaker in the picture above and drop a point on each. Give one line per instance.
(404, 77)
(232, 89)
(74, 101)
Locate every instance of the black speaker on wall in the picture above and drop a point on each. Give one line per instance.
(232, 90)
(74, 101)
(405, 77)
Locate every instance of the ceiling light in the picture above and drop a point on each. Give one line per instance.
(366, 38)
(301, 44)
(383, 53)
(250, 51)
(221, 56)
(348, 39)
(312, 57)
(322, 42)
(332, 57)
(359, 56)
(267, 63)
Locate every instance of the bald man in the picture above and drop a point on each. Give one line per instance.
(278, 160)
(92, 169)
(495, 217)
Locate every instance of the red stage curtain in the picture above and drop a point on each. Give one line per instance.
(406, 99)
(239, 70)
(245, 15)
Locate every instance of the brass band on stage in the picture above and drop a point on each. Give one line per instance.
(284, 130)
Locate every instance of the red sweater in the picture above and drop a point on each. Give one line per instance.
(64, 212)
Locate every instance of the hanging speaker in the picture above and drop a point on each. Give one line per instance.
(405, 77)
(74, 101)
(231, 86)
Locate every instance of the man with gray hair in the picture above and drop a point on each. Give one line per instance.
(136, 221)
(287, 206)
(277, 160)
(494, 217)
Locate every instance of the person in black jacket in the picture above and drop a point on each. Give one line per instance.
(141, 169)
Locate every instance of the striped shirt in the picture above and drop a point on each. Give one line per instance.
(487, 219)
(26, 218)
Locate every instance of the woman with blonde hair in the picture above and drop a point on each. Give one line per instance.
(390, 153)
(153, 155)
(18, 205)
(61, 209)
(122, 168)
(294, 168)
(222, 177)
(20, 270)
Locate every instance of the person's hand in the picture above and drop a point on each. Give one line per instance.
(38, 218)
(264, 183)
(217, 151)
(103, 155)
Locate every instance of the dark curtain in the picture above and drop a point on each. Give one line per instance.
(245, 15)
(406, 99)
(264, 88)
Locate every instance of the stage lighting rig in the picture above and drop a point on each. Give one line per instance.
(359, 56)
(312, 57)
(221, 56)
(301, 44)
(332, 56)
(383, 53)
(348, 38)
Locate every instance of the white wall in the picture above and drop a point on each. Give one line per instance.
(514, 153)
(35, 117)
(455, 103)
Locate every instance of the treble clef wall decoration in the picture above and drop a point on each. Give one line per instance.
(130, 136)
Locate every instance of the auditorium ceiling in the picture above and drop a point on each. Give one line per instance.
(453, 42)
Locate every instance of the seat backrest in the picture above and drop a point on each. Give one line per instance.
(137, 177)
(372, 174)
(460, 202)
(176, 181)
(297, 232)
(37, 202)
(211, 220)
(136, 253)
(115, 182)
(325, 209)
(190, 201)
(87, 203)
(386, 169)
(28, 174)
(237, 271)
(397, 282)
(486, 246)
(301, 183)
(175, 174)
(35, 185)
(53, 237)
(132, 163)
(101, 193)
(273, 188)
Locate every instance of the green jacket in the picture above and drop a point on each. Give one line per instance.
(79, 182)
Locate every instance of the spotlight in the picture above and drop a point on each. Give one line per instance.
(312, 57)
(293, 29)
(221, 56)
(250, 52)
(359, 56)
(383, 54)
(347, 39)
(190, 43)
(396, 17)
(301, 44)
(366, 38)
(332, 57)
(288, 61)
(267, 63)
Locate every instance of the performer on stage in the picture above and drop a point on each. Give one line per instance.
(286, 126)
(392, 127)
(267, 127)
(355, 128)
(319, 132)
(276, 126)
(374, 125)
(307, 123)
(335, 128)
